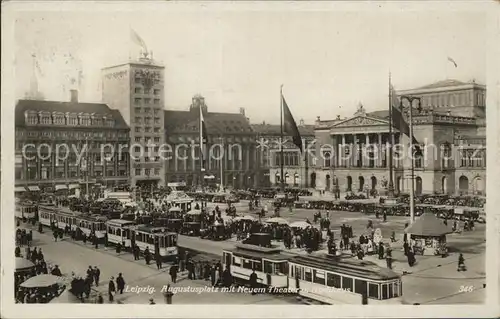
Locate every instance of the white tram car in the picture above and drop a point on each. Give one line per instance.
(270, 266)
(119, 231)
(344, 281)
(26, 210)
(156, 239)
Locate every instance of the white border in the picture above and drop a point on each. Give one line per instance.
(489, 309)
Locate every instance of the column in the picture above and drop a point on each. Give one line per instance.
(365, 154)
(342, 161)
(378, 162)
(393, 141)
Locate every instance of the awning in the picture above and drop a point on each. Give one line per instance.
(72, 186)
(19, 189)
(59, 187)
(34, 188)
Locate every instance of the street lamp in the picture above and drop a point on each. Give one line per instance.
(410, 100)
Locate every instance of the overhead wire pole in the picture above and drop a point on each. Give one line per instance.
(410, 99)
(390, 188)
(282, 176)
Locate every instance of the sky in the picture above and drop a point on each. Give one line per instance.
(328, 62)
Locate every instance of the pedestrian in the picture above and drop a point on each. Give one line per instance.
(253, 282)
(97, 274)
(461, 263)
(119, 249)
(56, 271)
(173, 273)
(147, 256)
(158, 261)
(100, 299)
(212, 275)
(111, 289)
(152, 301)
(120, 283)
(90, 274)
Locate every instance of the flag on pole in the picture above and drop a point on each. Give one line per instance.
(138, 40)
(289, 125)
(399, 122)
(452, 61)
(203, 139)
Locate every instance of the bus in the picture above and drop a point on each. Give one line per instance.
(157, 239)
(271, 267)
(332, 280)
(119, 231)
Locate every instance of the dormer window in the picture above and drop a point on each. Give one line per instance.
(45, 118)
(31, 118)
(58, 118)
(110, 122)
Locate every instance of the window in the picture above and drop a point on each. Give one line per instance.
(147, 171)
(137, 110)
(157, 130)
(156, 91)
(32, 119)
(156, 111)
(333, 280)
(157, 171)
(373, 291)
(147, 110)
(147, 130)
(137, 171)
(110, 173)
(137, 100)
(137, 90)
(157, 101)
(157, 139)
(147, 101)
(360, 286)
(137, 80)
(137, 139)
(137, 149)
(137, 129)
(146, 159)
(138, 120)
(157, 120)
(319, 277)
(237, 261)
(268, 267)
(257, 265)
(123, 173)
(307, 274)
(347, 283)
(247, 264)
(146, 91)
(327, 156)
(384, 291)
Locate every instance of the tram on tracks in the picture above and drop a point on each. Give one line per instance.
(269, 264)
(26, 210)
(332, 280)
(157, 239)
(324, 278)
(119, 231)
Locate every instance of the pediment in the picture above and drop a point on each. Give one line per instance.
(361, 121)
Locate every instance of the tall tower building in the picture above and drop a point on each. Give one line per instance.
(136, 89)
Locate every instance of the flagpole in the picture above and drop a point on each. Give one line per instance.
(390, 189)
(282, 176)
(306, 162)
(201, 148)
(221, 162)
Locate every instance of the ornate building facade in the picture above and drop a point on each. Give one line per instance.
(231, 144)
(295, 167)
(450, 129)
(54, 135)
(136, 89)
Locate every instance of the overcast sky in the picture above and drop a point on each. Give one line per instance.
(327, 61)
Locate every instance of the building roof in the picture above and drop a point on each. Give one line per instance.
(217, 123)
(58, 106)
(428, 225)
(383, 114)
(443, 83)
(275, 130)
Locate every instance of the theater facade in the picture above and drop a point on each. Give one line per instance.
(449, 128)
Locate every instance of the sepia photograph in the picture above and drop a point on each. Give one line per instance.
(257, 154)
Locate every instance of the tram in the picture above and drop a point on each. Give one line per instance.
(26, 210)
(156, 239)
(119, 231)
(270, 266)
(50, 215)
(89, 224)
(350, 281)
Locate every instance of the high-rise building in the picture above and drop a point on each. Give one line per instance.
(136, 89)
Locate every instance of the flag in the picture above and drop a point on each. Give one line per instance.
(138, 40)
(399, 122)
(203, 139)
(289, 125)
(452, 61)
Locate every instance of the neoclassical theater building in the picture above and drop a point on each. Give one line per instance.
(449, 128)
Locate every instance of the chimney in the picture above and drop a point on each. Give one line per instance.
(301, 123)
(338, 117)
(242, 111)
(74, 96)
(318, 119)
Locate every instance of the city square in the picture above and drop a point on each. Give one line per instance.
(182, 179)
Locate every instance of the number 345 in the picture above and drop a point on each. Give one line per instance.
(466, 289)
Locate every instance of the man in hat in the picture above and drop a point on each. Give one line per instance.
(111, 288)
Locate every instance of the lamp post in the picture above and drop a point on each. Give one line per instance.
(410, 100)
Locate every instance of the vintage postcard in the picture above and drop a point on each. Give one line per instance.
(250, 159)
